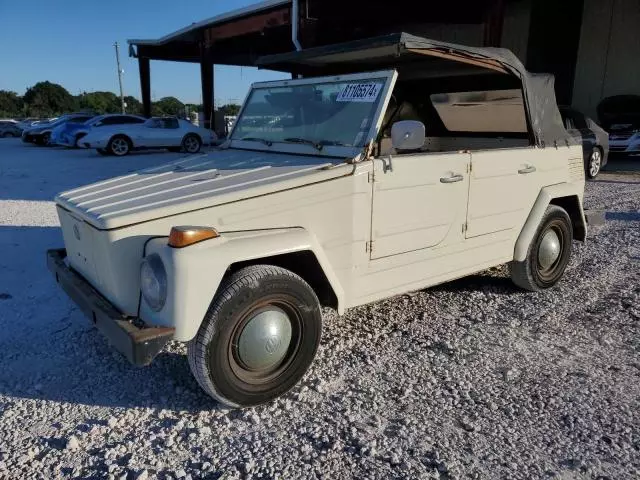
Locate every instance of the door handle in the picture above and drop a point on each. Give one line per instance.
(527, 169)
(452, 179)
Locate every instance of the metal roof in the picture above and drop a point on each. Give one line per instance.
(209, 22)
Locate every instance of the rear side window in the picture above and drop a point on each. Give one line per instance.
(170, 123)
(111, 121)
(494, 111)
(132, 120)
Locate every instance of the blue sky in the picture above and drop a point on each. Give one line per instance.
(70, 42)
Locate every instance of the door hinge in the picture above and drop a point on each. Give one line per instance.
(369, 246)
(464, 227)
(469, 167)
(370, 177)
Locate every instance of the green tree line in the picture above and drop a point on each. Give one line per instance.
(46, 99)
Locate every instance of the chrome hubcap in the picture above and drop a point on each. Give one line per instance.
(549, 250)
(191, 144)
(264, 341)
(119, 146)
(594, 164)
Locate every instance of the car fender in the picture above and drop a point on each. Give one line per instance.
(194, 273)
(545, 197)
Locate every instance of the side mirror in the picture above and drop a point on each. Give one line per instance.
(408, 135)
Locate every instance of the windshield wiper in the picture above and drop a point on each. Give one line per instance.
(317, 145)
(268, 143)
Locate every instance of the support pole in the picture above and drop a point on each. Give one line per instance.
(145, 85)
(206, 76)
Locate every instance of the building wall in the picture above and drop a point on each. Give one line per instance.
(515, 31)
(609, 53)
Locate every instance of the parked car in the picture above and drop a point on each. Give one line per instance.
(40, 134)
(310, 203)
(620, 116)
(69, 134)
(157, 132)
(9, 128)
(595, 141)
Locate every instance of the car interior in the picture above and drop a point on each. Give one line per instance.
(464, 113)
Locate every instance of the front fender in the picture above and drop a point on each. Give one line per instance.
(194, 273)
(546, 197)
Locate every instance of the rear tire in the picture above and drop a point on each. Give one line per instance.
(7, 135)
(76, 143)
(119, 145)
(594, 163)
(548, 254)
(258, 338)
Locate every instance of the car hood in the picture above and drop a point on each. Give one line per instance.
(196, 182)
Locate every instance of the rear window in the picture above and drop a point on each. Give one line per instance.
(495, 111)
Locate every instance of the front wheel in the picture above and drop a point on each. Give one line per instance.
(258, 338)
(548, 254)
(191, 143)
(594, 164)
(119, 146)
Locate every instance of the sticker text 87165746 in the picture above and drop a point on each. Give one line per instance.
(360, 92)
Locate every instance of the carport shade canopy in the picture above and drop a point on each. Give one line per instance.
(410, 54)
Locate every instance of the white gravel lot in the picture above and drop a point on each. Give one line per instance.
(473, 379)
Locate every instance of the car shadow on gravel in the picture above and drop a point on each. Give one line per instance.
(479, 282)
(50, 351)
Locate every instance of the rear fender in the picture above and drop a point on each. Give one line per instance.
(194, 273)
(563, 194)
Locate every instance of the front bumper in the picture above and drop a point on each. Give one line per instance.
(139, 345)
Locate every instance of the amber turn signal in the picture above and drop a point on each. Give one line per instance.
(185, 235)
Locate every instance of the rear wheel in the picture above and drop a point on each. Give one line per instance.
(44, 139)
(258, 338)
(76, 143)
(119, 146)
(548, 254)
(191, 143)
(594, 164)
(7, 135)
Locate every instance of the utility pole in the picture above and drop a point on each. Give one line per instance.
(119, 75)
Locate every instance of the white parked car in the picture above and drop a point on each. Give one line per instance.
(332, 191)
(158, 132)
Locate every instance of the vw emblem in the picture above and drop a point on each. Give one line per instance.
(272, 344)
(76, 232)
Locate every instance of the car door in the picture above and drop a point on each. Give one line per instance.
(419, 202)
(504, 185)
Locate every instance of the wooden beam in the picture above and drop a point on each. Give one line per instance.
(244, 26)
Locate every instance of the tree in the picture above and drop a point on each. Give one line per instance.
(11, 105)
(230, 109)
(99, 102)
(47, 99)
(168, 106)
(133, 105)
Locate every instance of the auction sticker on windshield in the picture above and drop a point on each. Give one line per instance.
(360, 92)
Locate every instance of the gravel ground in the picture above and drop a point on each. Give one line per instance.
(473, 379)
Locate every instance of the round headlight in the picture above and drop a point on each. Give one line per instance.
(153, 282)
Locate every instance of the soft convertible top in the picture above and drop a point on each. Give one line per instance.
(404, 51)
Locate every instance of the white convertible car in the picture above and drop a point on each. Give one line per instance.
(157, 132)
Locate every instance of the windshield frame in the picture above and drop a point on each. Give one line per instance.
(389, 77)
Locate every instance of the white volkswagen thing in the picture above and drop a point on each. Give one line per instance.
(157, 132)
(392, 165)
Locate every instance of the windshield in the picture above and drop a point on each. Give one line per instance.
(339, 113)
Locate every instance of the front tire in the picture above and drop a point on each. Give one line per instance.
(119, 146)
(594, 163)
(191, 143)
(76, 143)
(258, 338)
(548, 254)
